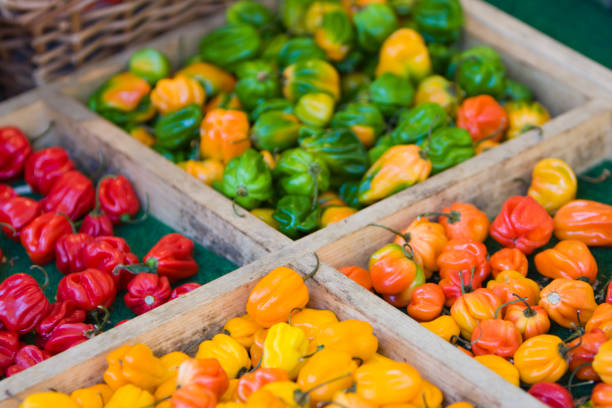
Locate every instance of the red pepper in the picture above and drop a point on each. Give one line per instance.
(483, 117)
(147, 291)
(88, 289)
(495, 336)
(40, 236)
(206, 372)
(9, 345)
(26, 357)
(251, 382)
(184, 288)
(69, 252)
(106, 253)
(117, 198)
(60, 312)
(14, 151)
(551, 394)
(6, 193)
(72, 194)
(582, 352)
(18, 212)
(45, 166)
(67, 335)
(22, 303)
(522, 223)
(97, 224)
(172, 257)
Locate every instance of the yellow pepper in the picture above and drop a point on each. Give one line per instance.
(379, 358)
(288, 392)
(405, 54)
(444, 326)
(242, 329)
(206, 171)
(284, 348)
(430, 397)
(265, 214)
(602, 363)
(130, 396)
(541, 358)
(316, 12)
(212, 78)
(95, 396)
(460, 404)
(172, 94)
(472, 307)
(325, 373)
(312, 320)
(343, 399)
(524, 115)
(141, 134)
(439, 90)
(165, 390)
(231, 405)
(501, 367)
(353, 336)
(265, 399)
(113, 375)
(230, 393)
(138, 366)
(232, 355)
(269, 158)
(601, 319)
(388, 383)
(332, 215)
(553, 184)
(49, 399)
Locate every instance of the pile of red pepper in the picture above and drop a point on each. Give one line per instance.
(96, 264)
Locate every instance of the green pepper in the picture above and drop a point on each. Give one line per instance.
(479, 70)
(296, 215)
(293, 14)
(272, 48)
(258, 81)
(402, 8)
(516, 92)
(441, 55)
(175, 156)
(349, 192)
(230, 44)
(247, 180)
(382, 145)
(177, 129)
(390, 93)
(150, 65)
(351, 62)
(307, 76)
(275, 104)
(341, 150)
(448, 147)
(374, 23)
(439, 20)
(335, 36)
(364, 119)
(415, 124)
(275, 131)
(249, 12)
(315, 109)
(301, 173)
(298, 49)
(352, 84)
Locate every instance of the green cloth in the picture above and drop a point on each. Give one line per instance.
(581, 25)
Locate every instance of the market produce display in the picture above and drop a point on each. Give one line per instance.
(526, 294)
(279, 354)
(307, 116)
(62, 228)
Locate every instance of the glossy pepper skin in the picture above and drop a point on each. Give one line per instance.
(275, 130)
(473, 307)
(22, 303)
(444, 326)
(601, 319)
(471, 223)
(602, 362)
(242, 329)
(388, 382)
(569, 259)
(358, 274)
(523, 116)
(276, 295)
(18, 212)
(310, 75)
(584, 352)
(522, 223)
(312, 321)
(364, 119)
(48, 399)
(172, 94)
(414, 125)
(508, 284)
(130, 395)
(494, 336)
(373, 24)
(530, 320)
(586, 221)
(232, 356)
(284, 348)
(9, 345)
(149, 64)
(14, 151)
(147, 291)
(124, 92)
(300, 172)
(553, 184)
(426, 302)
(404, 54)
(251, 382)
(483, 117)
(390, 93)
(508, 259)
(437, 89)
(206, 372)
(296, 216)
(336, 368)
(257, 82)
(97, 224)
(69, 251)
(117, 198)
(106, 254)
(399, 167)
(95, 396)
(448, 147)
(440, 21)
(67, 335)
(427, 240)
(183, 289)
(392, 270)
(552, 394)
(134, 365)
(59, 313)
(88, 289)
(6, 193)
(213, 79)
(45, 166)
(601, 397)
(479, 70)
(564, 298)
(26, 357)
(72, 194)
(541, 358)
(176, 129)
(172, 257)
(501, 367)
(224, 134)
(206, 171)
(352, 336)
(247, 180)
(230, 44)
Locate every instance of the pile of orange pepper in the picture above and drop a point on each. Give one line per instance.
(279, 354)
(486, 304)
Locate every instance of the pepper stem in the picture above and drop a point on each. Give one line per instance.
(319, 348)
(126, 217)
(44, 272)
(10, 227)
(425, 153)
(605, 174)
(570, 382)
(43, 133)
(405, 236)
(99, 326)
(501, 307)
(241, 191)
(529, 312)
(302, 397)
(493, 135)
(316, 268)
(314, 170)
(453, 216)
(146, 267)
(299, 309)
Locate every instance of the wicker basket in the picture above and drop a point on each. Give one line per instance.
(41, 40)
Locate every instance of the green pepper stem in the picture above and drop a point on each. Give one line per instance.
(299, 309)
(99, 326)
(302, 397)
(316, 268)
(45, 274)
(314, 170)
(453, 216)
(405, 236)
(605, 174)
(469, 287)
(570, 382)
(519, 299)
(10, 227)
(538, 129)
(235, 208)
(125, 218)
(44, 133)
(493, 135)
(319, 348)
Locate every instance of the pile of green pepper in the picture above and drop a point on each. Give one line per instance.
(305, 116)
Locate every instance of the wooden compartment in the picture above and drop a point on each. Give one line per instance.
(184, 323)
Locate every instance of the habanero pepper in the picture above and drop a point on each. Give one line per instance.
(522, 223)
(393, 270)
(59, 312)
(426, 239)
(553, 184)
(40, 236)
(129, 396)
(9, 345)
(358, 274)
(601, 319)
(426, 303)
(552, 394)
(447, 147)
(242, 329)
(472, 307)
(18, 212)
(253, 381)
(69, 252)
(569, 303)
(483, 117)
(569, 259)
(183, 289)
(72, 194)
(530, 320)
(146, 291)
(172, 257)
(117, 198)
(501, 367)
(586, 221)
(206, 372)
(22, 303)
(26, 357)
(106, 254)
(325, 373)
(97, 224)
(601, 396)
(96, 396)
(464, 221)
(494, 336)
(295, 215)
(45, 166)
(6, 193)
(232, 355)
(136, 365)
(387, 383)
(48, 399)
(353, 336)
(541, 358)
(602, 362)
(67, 335)
(192, 395)
(444, 326)
(508, 259)
(312, 321)
(284, 347)
(510, 286)
(14, 151)
(88, 289)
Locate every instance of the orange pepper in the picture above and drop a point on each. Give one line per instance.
(569, 259)
(541, 358)
(224, 134)
(485, 145)
(263, 398)
(501, 367)
(509, 283)
(206, 171)
(509, 259)
(483, 117)
(124, 92)
(601, 319)
(352, 336)
(212, 78)
(332, 215)
(172, 94)
(242, 329)
(426, 303)
(253, 381)
(583, 350)
(193, 396)
(566, 301)
(276, 295)
(426, 239)
(444, 326)
(529, 320)
(586, 221)
(430, 397)
(256, 349)
(404, 54)
(358, 274)
(343, 399)
(494, 336)
(326, 373)
(312, 321)
(460, 404)
(329, 198)
(601, 397)
(95, 396)
(392, 270)
(602, 362)
(223, 101)
(466, 222)
(388, 382)
(206, 372)
(472, 307)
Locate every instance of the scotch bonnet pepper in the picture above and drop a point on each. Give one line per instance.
(14, 151)
(59, 313)
(275, 130)
(447, 147)
(391, 92)
(40, 236)
(300, 172)
(87, 289)
(45, 166)
(258, 81)
(176, 129)
(224, 134)
(335, 36)
(364, 119)
(439, 21)
(117, 198)
(149, 64)
(22, 303)
(404, 54)
(17, 213)
(415, 124)
(296, 215)
(72, 194)
(26, 357)
(553, 184)
(230, 44)
(315, 108)
(479, 70)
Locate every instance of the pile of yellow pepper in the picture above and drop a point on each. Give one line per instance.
(279, 354)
